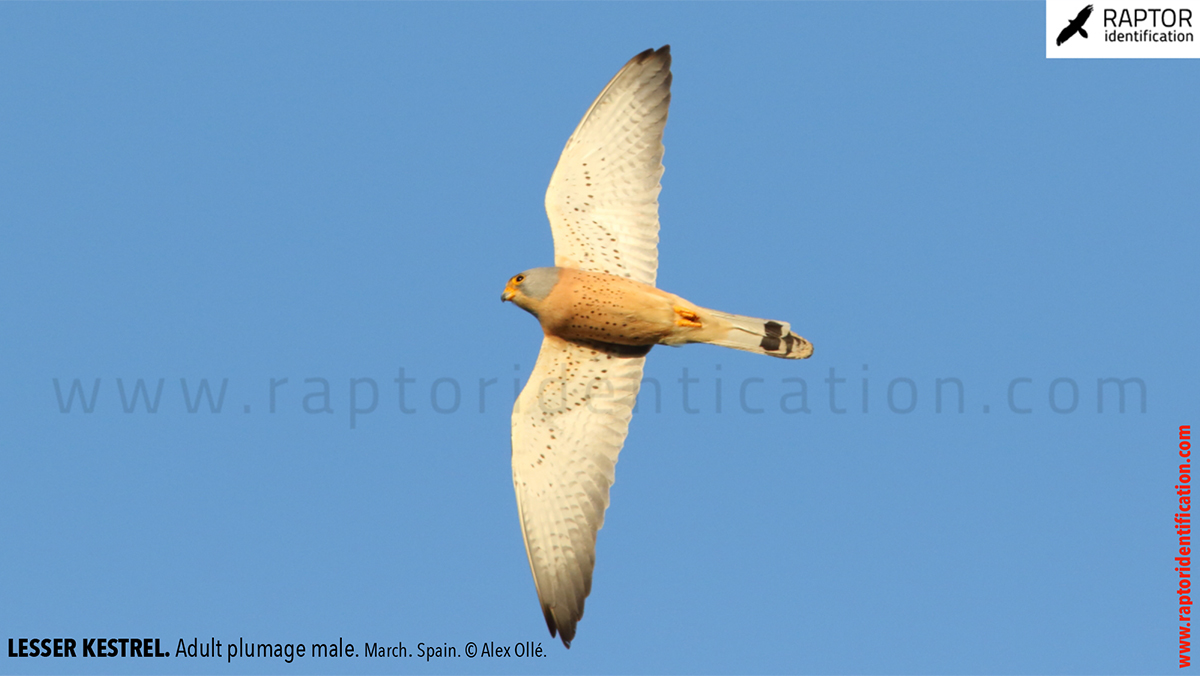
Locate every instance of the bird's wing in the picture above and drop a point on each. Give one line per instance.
(567, 428)
(1083, 15)
(603, 195)
(1065, 33)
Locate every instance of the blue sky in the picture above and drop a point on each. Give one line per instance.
(336, 192)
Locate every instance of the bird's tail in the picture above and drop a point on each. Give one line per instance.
(758, 335)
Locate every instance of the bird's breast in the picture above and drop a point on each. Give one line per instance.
(594, 306)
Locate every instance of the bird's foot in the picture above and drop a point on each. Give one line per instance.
(686, 317)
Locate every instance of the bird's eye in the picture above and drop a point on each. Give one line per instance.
(520, 278)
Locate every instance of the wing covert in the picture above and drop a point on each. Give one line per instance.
(602, 201)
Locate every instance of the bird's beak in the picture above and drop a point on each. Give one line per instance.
(508, 293)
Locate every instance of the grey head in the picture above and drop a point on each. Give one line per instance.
(530, 288)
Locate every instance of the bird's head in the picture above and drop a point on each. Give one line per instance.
(528, 289)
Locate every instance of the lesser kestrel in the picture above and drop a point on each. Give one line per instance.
(601, 313)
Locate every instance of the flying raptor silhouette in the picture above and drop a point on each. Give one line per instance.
(1076, 26)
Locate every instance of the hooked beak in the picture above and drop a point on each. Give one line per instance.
(508, 293)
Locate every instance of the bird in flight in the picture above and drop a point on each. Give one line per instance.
(1076, 26)
(600, 314)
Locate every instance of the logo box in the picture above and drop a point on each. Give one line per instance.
(1123, 29)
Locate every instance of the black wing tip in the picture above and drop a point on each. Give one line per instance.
(664, 55)
(567, 634)
(663, 52)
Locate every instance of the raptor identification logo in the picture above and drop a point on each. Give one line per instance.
(1123, 29)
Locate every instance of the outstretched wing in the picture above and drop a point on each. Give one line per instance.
(603, 196)
(567, 428)
(1083, 15)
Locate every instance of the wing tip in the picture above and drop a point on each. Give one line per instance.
(663, 53)
(566, 634)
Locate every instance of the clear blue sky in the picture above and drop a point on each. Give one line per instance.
(248, 192)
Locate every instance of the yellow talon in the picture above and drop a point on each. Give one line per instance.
(687, 317)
